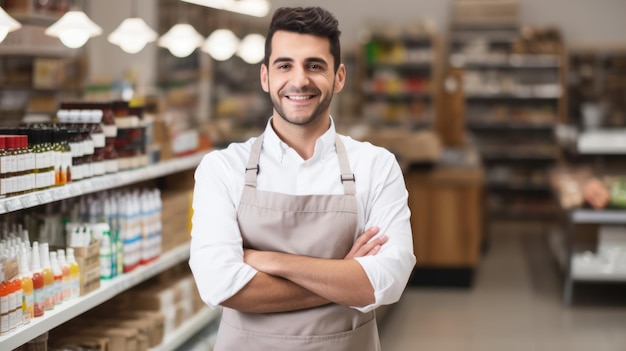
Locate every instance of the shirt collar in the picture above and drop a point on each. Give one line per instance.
(275, 147)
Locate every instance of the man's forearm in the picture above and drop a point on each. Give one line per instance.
(340, 281)
(267, 294)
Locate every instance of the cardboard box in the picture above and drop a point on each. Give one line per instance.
(91, 342)
(120, 339)
(88, 259)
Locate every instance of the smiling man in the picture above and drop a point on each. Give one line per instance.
(299, 234)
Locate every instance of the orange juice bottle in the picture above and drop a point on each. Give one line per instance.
(28, 300)
(65, 268)
(74, 274)
(48, 276)
(39, 295)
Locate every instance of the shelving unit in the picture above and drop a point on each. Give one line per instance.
(188, 329)
(398, 76)
(513, 99)
(37, 71)
(100, 183)
(564, 251)
(111, 288)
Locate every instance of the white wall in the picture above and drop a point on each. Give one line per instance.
(581, 21)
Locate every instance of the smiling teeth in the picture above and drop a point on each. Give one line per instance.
(298, 97)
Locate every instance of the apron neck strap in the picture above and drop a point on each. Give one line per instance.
(347, 177)
(252, 168)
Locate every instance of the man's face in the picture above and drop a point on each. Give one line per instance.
(300, 78)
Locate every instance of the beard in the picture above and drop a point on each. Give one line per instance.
(316, 114)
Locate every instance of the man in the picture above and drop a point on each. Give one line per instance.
(279, 240)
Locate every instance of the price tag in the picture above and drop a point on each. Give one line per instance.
(86, 186)
(74, 189)
(60, 193)
(13, 205)
(3, 209)
(30, 201)
(45, 197)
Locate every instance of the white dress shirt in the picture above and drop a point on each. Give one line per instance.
(216, 245)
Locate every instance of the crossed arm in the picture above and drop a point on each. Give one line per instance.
(287, 282)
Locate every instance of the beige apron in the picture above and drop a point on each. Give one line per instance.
(322, 226)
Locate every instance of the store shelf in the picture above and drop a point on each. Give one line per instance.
(108, 289)
(100, 183)
(509, 126)
(188, 329)
(598, 217)
(598, 277)
(476, 96)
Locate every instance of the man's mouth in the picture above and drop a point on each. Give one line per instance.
(299, 97)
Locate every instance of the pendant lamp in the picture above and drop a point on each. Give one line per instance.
(256, 8)
(221, 45)
(181, 40)
(133, 33)
(7, 24)
(74, 29)
(252, 48)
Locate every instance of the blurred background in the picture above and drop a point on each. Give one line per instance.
(508, 118)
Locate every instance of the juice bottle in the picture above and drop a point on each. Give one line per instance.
(28, 299)
(74, 273)
(65, 268)
(39, 294)
(58, 278)
(48, 277)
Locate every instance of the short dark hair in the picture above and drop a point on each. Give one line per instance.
(306, 20)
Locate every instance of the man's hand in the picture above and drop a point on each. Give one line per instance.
(365, 246)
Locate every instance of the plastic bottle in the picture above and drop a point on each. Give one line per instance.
(15, 302)
(58, 278)
(39, 294)
(48, 276)
(28, 300)
(4, 303)
(65, 268)
(74, 274)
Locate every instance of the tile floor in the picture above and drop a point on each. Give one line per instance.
(514, 304)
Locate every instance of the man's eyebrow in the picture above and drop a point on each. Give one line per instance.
(308, 60)
(282, 59)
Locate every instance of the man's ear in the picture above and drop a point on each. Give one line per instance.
(264, 79)
(340, 78)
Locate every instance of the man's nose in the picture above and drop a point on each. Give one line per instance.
(300, 77)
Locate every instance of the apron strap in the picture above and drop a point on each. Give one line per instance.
(252, 168)
(347, 177)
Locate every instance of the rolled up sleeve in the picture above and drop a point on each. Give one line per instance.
(390, 269)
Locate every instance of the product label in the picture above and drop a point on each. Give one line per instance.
(49, 296)
(28, 307)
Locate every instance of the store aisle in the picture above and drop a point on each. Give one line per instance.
(515, 304)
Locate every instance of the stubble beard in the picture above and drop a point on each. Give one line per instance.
(316, 114)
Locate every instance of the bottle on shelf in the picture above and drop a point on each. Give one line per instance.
(65, 268)
(4, 303)
(39, 293)
(28, 300)
(74, 273)
(58, 278)
(48, 277)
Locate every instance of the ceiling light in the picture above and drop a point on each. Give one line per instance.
(181, 40)
(74, 29)
(7, 24)
(252, 48)
(132, 35)
(221, 44)
(256, 8)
